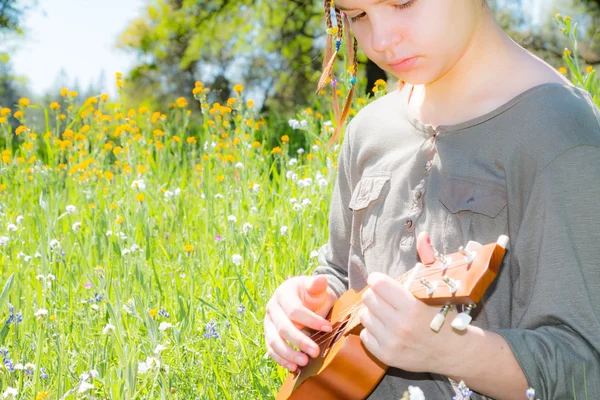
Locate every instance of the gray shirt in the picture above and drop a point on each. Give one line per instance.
(529, 169)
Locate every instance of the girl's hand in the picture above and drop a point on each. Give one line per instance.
(396, 323)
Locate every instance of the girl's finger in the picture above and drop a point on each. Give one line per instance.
(298, 312)
(277, 349)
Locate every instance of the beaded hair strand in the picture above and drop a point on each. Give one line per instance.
(342, 29)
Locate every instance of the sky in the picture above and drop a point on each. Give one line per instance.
(77, 35)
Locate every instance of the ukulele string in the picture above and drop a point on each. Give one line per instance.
(354, 307)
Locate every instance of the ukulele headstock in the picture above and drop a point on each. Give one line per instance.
(458, 278)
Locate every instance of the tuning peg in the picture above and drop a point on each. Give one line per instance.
(438, 320)
(463, 319)
(430, 286)
(452, 284)
(502, 241)
(443, 259)
(469, 255)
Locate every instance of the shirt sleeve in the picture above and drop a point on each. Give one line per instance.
(555, 305)
(333, 255)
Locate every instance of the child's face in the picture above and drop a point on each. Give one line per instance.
(438, 32)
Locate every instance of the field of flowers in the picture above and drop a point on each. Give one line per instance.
(138, 248)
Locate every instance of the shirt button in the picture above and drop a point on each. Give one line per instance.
(409, 223)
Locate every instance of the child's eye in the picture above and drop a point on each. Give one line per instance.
(399, 6)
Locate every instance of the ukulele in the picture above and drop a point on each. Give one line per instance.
(345, 369)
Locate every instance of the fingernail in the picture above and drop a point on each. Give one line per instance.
(326, 328)
(428, 240)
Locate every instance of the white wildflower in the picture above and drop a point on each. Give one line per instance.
(178, 192)
(415, 393)
(315, 148)
(121, 235)
(10, 392)
(306, 202)
(76, 226)
(218, 196)
(54, 244)
(135, 247)
(239, 165)
(159, 348)
(108, 329)
(237, 259)
(288, 175)
(232, 218)
(247, 226)
(294, 123)
(168, 194)
(164, 326)
(293, 161)
(84, 387)
(297, 207)
(4, 240)
(256, 187)
(253, 210)
(95, 307)
(40, 277)
(294, 178)
(314, 254)
(20, 220)
(293, 200)
(42, 312)
(19, 367)
(213, 144)
(109, 233)
(300, 150)
(37, 255)
(327, 123)
(138, 184)
(283, 230)
(322, 182)
(124, 252)
(71, 209)
(12, 227)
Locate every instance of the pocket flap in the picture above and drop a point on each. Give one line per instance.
(368, 189)
(468, 194)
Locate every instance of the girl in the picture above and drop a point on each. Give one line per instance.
(481, 139)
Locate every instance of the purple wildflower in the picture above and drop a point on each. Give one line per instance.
(210, 330)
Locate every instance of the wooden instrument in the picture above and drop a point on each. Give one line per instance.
(345, 369)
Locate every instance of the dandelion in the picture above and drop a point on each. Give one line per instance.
(71, 209)
(140, 197)
(12, 227)
(76, 226)
(188, 247)
(54, 244)
(232, 218)
(42, 312)
(283, 230)
(42, 395)
(164, 326)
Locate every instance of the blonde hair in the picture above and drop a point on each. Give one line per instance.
(328, 75)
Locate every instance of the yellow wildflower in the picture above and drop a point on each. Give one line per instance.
(64, 92)
(562, 70)
(589, 69)
(119, 84)
(139, 197)
(92, 206)
(220, 178)
(188, 248)
(250, 103)
(62, 117)
(191, 140)
(380, 82)
(104, 97)
(109, 175)
(24, 101)
(238, 88)
(18, 114)
(567, 52)
(205, 157)
(231, 101)
(176, 138)
(73, 93)
(153, 312)
(285, 139)
(54, 106)
(276, 150)
(21, 129)
(255, 144)
(182, 102)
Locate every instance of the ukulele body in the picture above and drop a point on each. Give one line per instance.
(344, 369)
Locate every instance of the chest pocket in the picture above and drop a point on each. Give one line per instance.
(367, 199)
(475, 205)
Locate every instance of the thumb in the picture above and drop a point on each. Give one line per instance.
(425, 249)
(316, 285)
